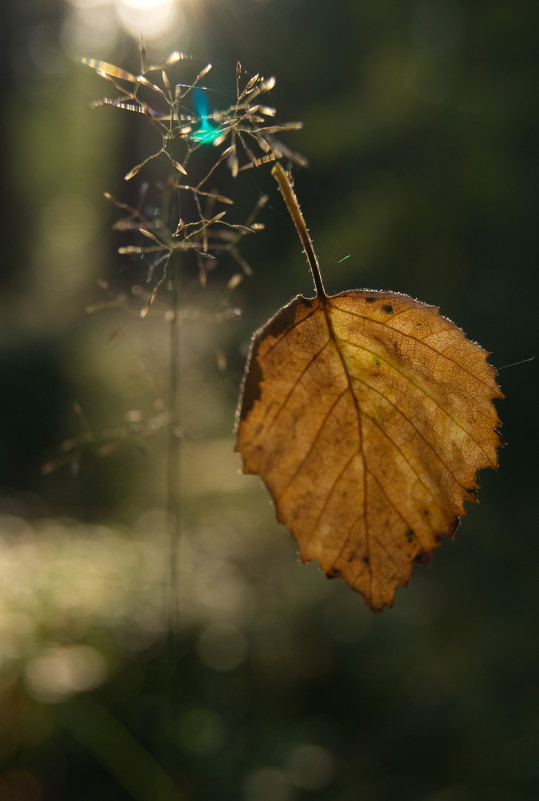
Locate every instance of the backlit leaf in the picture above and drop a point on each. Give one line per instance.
(368, 415)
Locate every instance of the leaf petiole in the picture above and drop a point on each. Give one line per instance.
(294, 209)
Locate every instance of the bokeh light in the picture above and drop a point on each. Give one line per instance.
(96, 25)
(153, 19)
(56, 672)
(310, 767)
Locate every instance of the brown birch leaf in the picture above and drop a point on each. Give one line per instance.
(367, 414)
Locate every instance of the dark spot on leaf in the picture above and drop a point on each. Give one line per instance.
(333, 572)
(366, 560)
(422, 558)
(276, 326)
(388, 308)
(251, 386)
(306, 302)
(370, 300)
(409, 535)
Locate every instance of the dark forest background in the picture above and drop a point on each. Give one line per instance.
(421, 129)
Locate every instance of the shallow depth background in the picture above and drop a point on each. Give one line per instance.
(420, 124)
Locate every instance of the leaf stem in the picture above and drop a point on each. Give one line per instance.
(294, 209)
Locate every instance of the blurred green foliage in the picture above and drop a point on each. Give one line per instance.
(421, 129)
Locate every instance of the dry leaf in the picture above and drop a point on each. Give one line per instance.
(367, 414)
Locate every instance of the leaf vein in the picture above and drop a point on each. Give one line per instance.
(332, 489)
(314, 440)
(407, 379)
(285, 333)
(299, 378)
(419, 433)
(385, 326)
